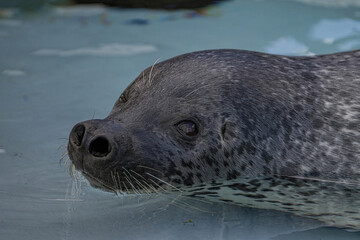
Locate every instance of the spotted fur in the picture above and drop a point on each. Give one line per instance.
(336, 204)
(256, 114)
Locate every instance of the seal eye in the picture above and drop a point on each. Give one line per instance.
(122, 99)
(187, 127)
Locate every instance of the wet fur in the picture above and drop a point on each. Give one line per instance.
(258, 115)
(335, 204)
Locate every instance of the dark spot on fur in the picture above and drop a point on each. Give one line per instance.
(351, 212)
(308, 76)
(225, 114)
(289, 170)
(210, 161)
(285, 124)
(299, 108)
(289, 209)
(213, 195)
(172, 170)
(266, 190)
(313, 173)
(309, 100)
(189, 179)
(243, 187)
(287, 204)
(256, 196)
(199, 176)
(248, 147)
(217, 171)
(196, 189)
(213, 150)
(202, 193)
(226, 153)
(317, 123)
(189, 164)
(266, 171)
(255, 182)
(353, 126)
(177, 181)
(243, 167)
(232, 175)
(240, 149)
(266, 156)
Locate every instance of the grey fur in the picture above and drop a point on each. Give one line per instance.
(257, 114)
(332, 203)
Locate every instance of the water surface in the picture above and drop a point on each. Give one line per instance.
(62, 65)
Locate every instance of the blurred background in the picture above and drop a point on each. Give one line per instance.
(62, 62)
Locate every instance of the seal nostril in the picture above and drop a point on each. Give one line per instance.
(78, 134)
(100, 147)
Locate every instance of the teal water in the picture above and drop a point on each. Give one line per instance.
(62, 65)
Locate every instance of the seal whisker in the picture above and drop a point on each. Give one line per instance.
(119, 181)
(93, 116)
(206, 86)
(115, 182)
(126, 189)
(133, 187)
(144, 181)
(191, 206)
(176, 200)
(140, 184)
(112, 177)
(62, 145)
(66, 161)
(158, 185)
(63, 156)
(197, 199)
(152, 69)
(164, 182)
(176, 204)
(64, 138)
(101, 182)
(72, 171)
(149, 168)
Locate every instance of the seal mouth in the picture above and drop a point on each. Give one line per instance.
(129, 182)
(97, 183)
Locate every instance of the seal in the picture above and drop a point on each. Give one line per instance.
(215, 115)
(225, 114)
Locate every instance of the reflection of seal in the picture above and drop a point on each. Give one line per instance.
(225, 114)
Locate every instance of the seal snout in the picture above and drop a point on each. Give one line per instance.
(94, 144)
(100, 147)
